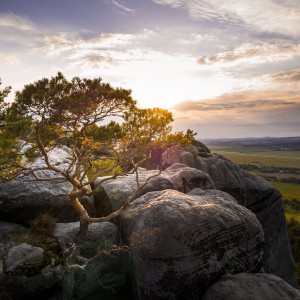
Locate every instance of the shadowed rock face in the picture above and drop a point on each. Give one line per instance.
(24, 199)
(251, 286)
(257, 195)
(183, 243)
(6, 235)
(179, 177)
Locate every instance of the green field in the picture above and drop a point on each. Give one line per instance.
(260, 156)
(288, 190)
(292, 214)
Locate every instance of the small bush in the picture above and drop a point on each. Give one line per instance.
(43, 224)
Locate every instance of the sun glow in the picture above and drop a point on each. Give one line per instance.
(162, 80)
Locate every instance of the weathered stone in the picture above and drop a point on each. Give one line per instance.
(24, 199)
(183, 243)
(99, 235)
(257, 195)
(106, 271)
(186, 179)
(6, 232)
(251, 287)
(2, 276)
(40, 286)
(23, 254)
(177, 177)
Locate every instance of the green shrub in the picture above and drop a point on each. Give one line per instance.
(294, 236)
(43, 224)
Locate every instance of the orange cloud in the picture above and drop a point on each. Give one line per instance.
(265, 51)
(286, 76)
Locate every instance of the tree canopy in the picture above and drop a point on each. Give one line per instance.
(3, 94)
(81, 115)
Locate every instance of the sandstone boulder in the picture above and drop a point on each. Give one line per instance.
(184, 243)
(178, 177)
(7, 230)
(28, 272)
(39, 286)
(251, 287)
(24, 199)
(99, 235)
(104, 271)
(23, 254)
(256, 194)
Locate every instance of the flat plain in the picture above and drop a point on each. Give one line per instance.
(260, 156)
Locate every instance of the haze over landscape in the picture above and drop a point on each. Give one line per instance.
(224, 69)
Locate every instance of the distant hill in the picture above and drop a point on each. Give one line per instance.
(274, 143)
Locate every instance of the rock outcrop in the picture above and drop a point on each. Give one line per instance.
(99, 235)
(23, 254)
(251, 287)
(29, 271)
(24, 199)
(102, 271)
(253, 192)
(200, 228)
(183, 243)
(177, 177)
(7, 230)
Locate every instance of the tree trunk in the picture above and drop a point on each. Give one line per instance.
(81, 235)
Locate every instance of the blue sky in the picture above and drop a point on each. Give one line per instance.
(224, 68)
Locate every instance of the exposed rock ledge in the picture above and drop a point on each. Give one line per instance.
(253, 192)
(184, 243)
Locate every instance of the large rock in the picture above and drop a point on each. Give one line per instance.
(24, 199)
(106, 267)
(35, 272)
(7, 230)
(251, 287)
(184, 243)
(104, 273)
(29, 272)
(39, 286)
(99, 235)
(23, 254)
(178, 177)
(253, 192)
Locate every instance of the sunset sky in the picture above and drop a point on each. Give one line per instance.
(225, 68)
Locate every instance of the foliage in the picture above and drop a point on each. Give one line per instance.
(56, 112)
(294, 236)
(190, 135)
(182, 139)
(3, 94)
(43, 224)
(292, 204)
(147, 124)
(111, 131)
(288, 190)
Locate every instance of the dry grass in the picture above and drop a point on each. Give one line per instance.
(43, 224)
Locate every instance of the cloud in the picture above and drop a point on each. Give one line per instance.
(286, 76)
(260, 51)
(244, 105)
(252, 113)
(123, 8)
(281, 17)
(65, 43)
(15, 21)
(215, 106)
(9, 59)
